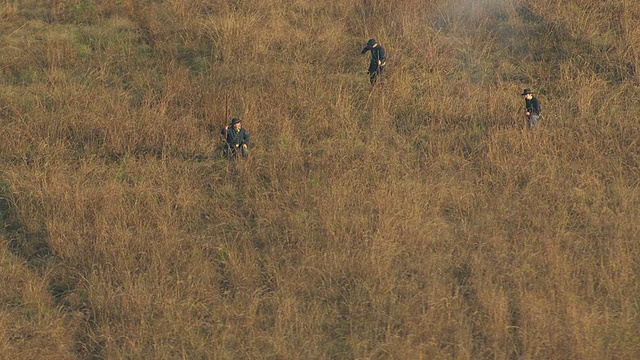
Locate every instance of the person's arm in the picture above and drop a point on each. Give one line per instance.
(245, 138)
(382, 57)
(224, 132)
(366, 48)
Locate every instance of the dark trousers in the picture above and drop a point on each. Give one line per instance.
(375, 73)
(233, 152)
(532, 120)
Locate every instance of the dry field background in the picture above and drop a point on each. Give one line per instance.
(421, 221)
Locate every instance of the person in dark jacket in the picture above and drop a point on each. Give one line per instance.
(532, 108)
(378, 60)
(236, 139)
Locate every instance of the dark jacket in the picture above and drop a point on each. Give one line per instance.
(533, 106)
(235, 138)
(377, 53)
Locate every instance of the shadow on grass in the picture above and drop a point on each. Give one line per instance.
(28, 245)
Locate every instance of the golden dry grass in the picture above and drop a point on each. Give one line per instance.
(421, 221)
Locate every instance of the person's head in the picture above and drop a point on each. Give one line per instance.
(527, 94)
(236, 123)
(372, 43)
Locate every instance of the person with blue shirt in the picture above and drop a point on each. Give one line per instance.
(236, 139)
(378, 60)
(532, 108)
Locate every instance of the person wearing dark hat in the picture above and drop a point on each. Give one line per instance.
(236, 139)
(378, 60)
(531, 109)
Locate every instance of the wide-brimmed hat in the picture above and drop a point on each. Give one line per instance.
(526, 92)
(234, 121)
(371, 42)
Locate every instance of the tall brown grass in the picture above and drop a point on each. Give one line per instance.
(416, 220)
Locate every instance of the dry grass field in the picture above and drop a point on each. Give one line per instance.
(418, 220)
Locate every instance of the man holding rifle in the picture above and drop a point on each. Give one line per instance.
(236, 139)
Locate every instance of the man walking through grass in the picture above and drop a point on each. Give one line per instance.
(378, 59)
(236, 139)
(531, 109)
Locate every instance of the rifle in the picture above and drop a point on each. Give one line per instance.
(226, 116)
